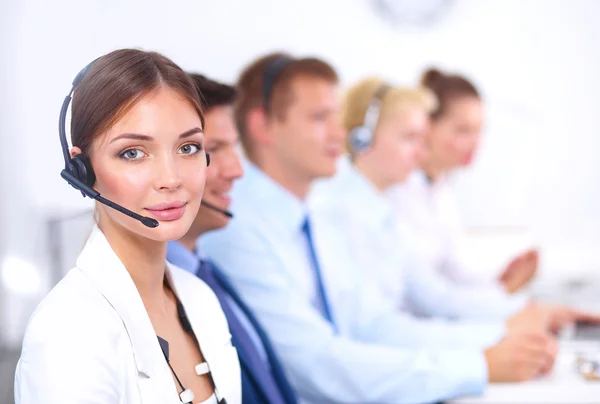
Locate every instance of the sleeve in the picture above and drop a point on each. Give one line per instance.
(430, 293)
(66, 364)
(325, 366)
(382, 318)
(457, 293)
(380, 323)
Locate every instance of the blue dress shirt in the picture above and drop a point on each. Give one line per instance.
(180, 256)
(375, 356)
(263, 378)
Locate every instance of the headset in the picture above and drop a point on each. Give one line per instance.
(360, 137)
(78, 171)
(273, 71)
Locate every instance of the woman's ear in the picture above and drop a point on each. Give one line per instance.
(75, 151)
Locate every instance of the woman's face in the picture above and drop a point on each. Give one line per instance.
(396, 146)
(152, 162)
(454, 137)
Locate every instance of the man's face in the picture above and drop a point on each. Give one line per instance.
(309, 138)
(221, 138)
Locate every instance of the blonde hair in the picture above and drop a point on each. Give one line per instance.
(359, 96)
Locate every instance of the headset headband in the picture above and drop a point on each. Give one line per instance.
(273, 71)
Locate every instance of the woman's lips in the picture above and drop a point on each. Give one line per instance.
(167, 211)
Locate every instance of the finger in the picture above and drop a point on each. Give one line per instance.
(539, 359)
(587, 317)
(537, 341)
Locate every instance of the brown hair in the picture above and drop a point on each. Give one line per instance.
(251, 90)
(212, 93)
(447, 87)
(114, 83)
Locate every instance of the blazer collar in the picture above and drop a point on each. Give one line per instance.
(101, 265)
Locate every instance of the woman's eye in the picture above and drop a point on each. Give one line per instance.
(132, 154)
(189, 148)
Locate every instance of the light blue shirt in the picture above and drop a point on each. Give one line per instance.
(376, 356)
(180, 256)
(379, 242)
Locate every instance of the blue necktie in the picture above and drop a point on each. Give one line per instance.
(249, 357)
(306, 229)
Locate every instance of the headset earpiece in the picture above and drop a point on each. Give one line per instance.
(360, 137)
(81, 167)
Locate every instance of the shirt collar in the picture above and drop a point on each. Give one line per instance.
(260, 192)
(375, 207)
(181, 257)
(421, 179)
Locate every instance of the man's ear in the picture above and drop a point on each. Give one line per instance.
(258, 126)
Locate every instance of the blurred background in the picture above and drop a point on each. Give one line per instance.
(536, 179)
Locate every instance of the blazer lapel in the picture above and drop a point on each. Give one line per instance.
(210, 327)
(107, 273)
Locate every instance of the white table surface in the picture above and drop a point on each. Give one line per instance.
(563, 386)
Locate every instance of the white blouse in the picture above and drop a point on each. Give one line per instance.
(91, 341)
(431, 220)
(430, 213)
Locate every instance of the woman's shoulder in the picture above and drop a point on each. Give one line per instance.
(73, 310)
(74, 336)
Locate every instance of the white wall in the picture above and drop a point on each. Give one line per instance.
(536, 60)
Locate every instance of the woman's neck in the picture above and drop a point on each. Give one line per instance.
(433, 170)
(381, 186)
(144, 259)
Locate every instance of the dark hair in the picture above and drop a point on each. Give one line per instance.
(114, 83)
(447, 87)
(251, 90)
(212, 93)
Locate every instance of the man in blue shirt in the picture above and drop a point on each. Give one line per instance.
(263, 379)
(338, 339)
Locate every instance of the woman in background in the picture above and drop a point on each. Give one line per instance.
(426, 203)
(124, 326)
(386, 125)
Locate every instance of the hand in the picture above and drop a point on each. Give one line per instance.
(545, 370)
(562, 316)
(520, 357)
(534, 317)
(520, 271)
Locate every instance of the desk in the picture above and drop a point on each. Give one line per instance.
(563, 386)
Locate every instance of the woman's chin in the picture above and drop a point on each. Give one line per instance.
(167, 230)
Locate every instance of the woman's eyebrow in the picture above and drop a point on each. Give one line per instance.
(146, 138)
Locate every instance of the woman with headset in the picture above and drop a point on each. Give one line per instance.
(386, 125)
(124, 326)
(426, 202)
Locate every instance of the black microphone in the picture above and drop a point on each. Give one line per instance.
(93, 194)
(222, 211)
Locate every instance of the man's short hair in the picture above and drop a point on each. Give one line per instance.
(251, 86)
(213, 93)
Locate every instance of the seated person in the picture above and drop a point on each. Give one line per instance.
(385, 127)
(426, 202)
(338, 340)
(263, 379)
(123, 326)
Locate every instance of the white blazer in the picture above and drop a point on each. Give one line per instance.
(91, 340)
